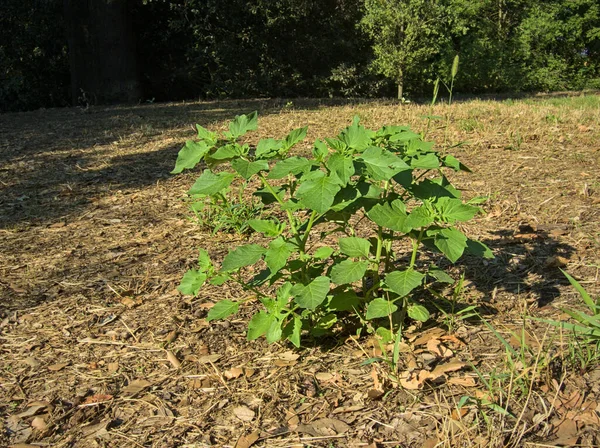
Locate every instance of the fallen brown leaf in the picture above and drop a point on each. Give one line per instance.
(232, 373)
(324, 427)
(135, 387)
(244, 413)
(57, 367)
(247, 440)
(465, 381)
(436, 347)
(173, 359)
(39, 423)
(97, 398)
(445, 368)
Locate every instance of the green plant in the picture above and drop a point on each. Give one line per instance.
(584, 348)
(337, 223)
(452, 314)
(227, 211)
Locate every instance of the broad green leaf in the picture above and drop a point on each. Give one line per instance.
(356, 137)
(382, 164)
(404, 136)
(313, 294)
(380, 308)
(384, 334)
(348, 271)
(439, 275)
(336, 145)
(451, 210)
(284, 292)
(248, 169)
(204, 134)
(297, 135)
(209, 183)
(242, 256)
(426, 162)
(222, 310)
(242, 124)
(318, 194)
(451, 242)
(320, 150)
(421, 216)
(355, 247)
(293, 331)
(479, 249)
(227, 152)
(259, 325)
(343, 301)
(390, 215)
(267, 197)
(341, 167)
(266, 227)
(219, 279)
(454, 163)
(323, 253)
(291, 165)
(403, 282)
(427, 189)
(326, 321)
(418, 312)
(267, 148)
(277, 255)
(191, 282)
(204, 260)
(274, 332)
(190, 155)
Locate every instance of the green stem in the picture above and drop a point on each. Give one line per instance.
(311, 221)
(415, 244)
(290, 216)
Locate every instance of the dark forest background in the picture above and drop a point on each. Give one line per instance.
(79, 52)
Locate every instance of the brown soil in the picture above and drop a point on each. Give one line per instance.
(99, 349)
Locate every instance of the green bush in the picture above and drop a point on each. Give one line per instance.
(337, 221)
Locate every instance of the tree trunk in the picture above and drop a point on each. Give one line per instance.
(102, 53)
(400, 81)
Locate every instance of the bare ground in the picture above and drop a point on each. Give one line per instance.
(99, 349)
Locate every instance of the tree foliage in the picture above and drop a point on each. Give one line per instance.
(287, 48)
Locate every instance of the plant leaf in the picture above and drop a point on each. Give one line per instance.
(190, 155)
(380, 308)
(242, 256)
(191, 282)
(313, 294)
(297, 135)
(248, 169)
(320, 151)
(323, 252)
(293, 165)
(266, 227)
(259, 325)
(267, 148)
(403, 282)
(356, 136)
(451, 210)
(355, 247)
(341, 167)
(451, 242)
(382, 164)
(277, 255)
(348, 271)
(318, 194)
(479, 249)
(242, 124)
(421, 216)
(227, 152)
(591, 303)
(418, 312)
(205, 134)
(274, 332)
(390, 215)
(222, 309)
(343, 301)
(204, 260)
(209, 183)
(293, 331)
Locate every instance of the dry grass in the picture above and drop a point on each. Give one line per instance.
(94, 238)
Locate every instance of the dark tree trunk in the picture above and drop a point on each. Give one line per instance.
(101, 52)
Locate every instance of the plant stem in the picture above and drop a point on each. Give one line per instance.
(415, 244)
